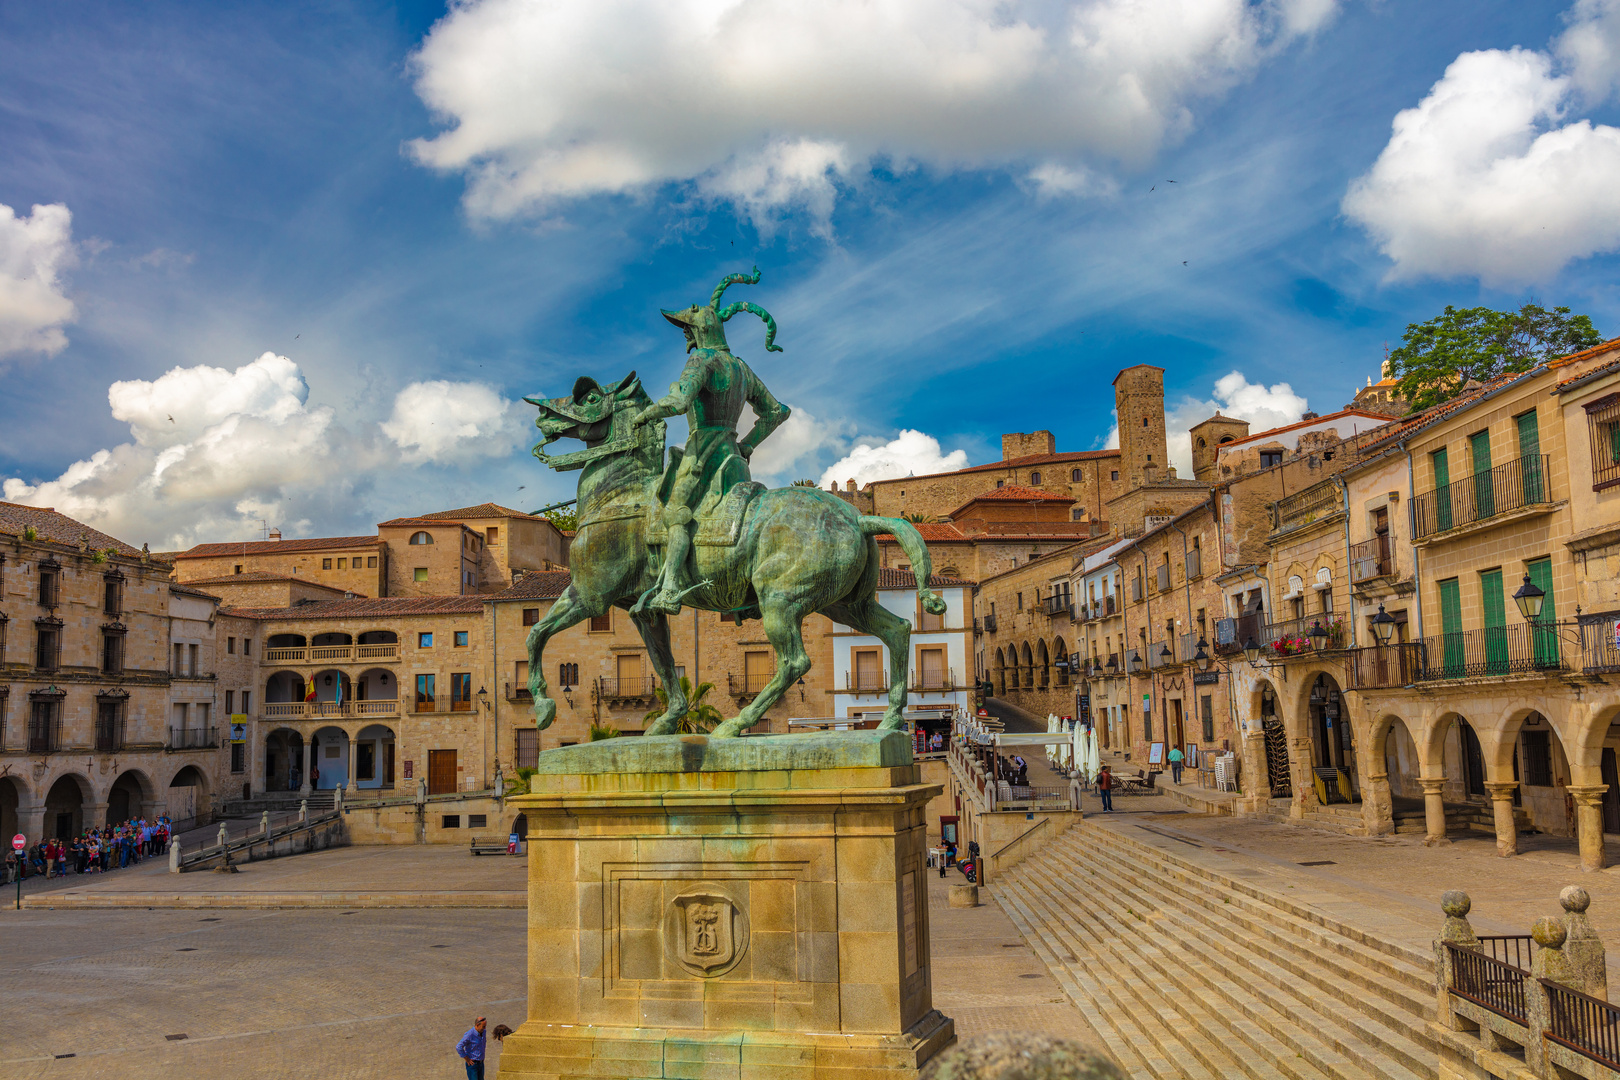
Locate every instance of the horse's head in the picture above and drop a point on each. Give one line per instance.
(704, 324)
(597, 415)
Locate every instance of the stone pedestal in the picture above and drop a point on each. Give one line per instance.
(746, 909)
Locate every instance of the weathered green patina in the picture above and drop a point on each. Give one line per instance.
(776, 555)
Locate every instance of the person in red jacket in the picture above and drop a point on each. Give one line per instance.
(1105, 788)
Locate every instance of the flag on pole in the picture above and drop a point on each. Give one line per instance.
(309, 691)
(340, 691)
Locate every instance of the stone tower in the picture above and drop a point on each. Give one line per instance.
(1207, 438)
(1139, 401)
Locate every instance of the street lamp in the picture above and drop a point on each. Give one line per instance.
(1112, 666)
(1529, 600)
(1165, 655)
(1383, 625)
(1251, 651)
(1201, 657)
(1318, 636)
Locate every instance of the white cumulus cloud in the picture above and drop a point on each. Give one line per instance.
(1491, 175)
(1264, 407)
(453, 423)
(797, 442)
(34, 251)
(774, 103)
(910, 453)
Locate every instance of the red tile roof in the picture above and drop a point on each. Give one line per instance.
(271, 547)
(186, 589)
(536, 585)
(482, 510)
(396, 523)
(58, 528)
(369, 608)
(251, 577)
(1271, 433)
(1011, 463)
(1022, 494)
(889, 578)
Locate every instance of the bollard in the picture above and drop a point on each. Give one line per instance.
(303, 811)
(264, 822)
(1589, 968)
(224, 837)
(1456, 931)
(337, 797)
(174, 856)
(963, 896)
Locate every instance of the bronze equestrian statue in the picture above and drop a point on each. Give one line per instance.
(698, 532)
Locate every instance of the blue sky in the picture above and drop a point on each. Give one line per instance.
(962, 211)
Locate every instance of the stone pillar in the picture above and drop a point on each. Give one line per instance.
(1589, 967)
(174, 856)
(303, 777)
(1507, 830)
(1256, 781)
(1458, 932)
(224, 837)
(95, 815)
(1548, 962)
(1377, 807)
(31, 821)
(1304, 780)
(264, 822)
(1589, 824)
(353, 781)
(1434, 809)
(152, 809)
(303, 811)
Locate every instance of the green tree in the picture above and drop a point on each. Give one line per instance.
(1440, 357)
(701, 717)
(565, 520)
(604, 731)
(806, 483)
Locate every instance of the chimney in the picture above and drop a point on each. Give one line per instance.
(275, 534)
(1310, 416)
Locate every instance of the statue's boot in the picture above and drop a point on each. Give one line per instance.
(673, 585)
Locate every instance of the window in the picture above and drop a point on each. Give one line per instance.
(526, 752)
(1020, 601)
(1206, 710)
(1537, 754)
(868, 669)
(1034, 478)
(492, 535)
(421, 538)
(461, 639)
(419, 574)
(238, 568)
(343, 564)
(1077, 514)
(247, 644)
(326, 564)
(424, 693)
(424, 640)
(1113, 474)
(1603, 431)
(247, 701)
(230, 646)
(112, 653)
(112, 597)
(568, 674)
(1000, 483)
(48, 648)
(371, 562)
(1270, 458)
(477, 821)
(1075, 476)
(230, 702)
(531, 615)
(47, 588)
(520, 678)
(238, 757)
(461, 692)
(191, 653)
(602, 624)
(452, 821)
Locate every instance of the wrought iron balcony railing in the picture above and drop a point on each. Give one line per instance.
(1510, 486)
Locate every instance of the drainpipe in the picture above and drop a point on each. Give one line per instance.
(1411, 532)
(1349, 591)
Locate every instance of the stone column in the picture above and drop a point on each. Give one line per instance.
(354, 764)
(1589, 824)
(303, 777)
(1434, 809)
(31, 821)
(1507, 830)
(1304, 780)
(1377, 808)
(1256, 780)
(1548, 962)
(95, 815)
(1458, 932)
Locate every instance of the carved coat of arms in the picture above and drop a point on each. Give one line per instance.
(709, 933)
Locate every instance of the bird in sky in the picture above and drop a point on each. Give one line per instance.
(297, 336)
(1152, 189)
(1183, 262)
(1169, 181)
(171, 419)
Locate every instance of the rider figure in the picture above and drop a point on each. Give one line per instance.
(711, 391)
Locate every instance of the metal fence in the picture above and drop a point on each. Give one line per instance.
(641, 686)
(1493, 650)
(193, 738)
(1510, 486)
(1488, 982)
(1381, 667)
(1585, 1024)
(1508, 948)
(1371, 558)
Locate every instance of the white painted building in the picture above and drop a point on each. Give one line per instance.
(940, 669)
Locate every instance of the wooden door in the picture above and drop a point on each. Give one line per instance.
(1530, 458)
(868, 669)
(931, 667)
(1479, 445)
(627, 668)
(388, 764)
(1442, 491)
(441, 772)
(757, 670)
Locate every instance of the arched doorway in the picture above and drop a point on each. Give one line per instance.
(283, 688)
(1329, 726)
(283, 760)
(1028, 657)
(374, 757)
(1275, 738)
(329, 759)
(188, 797)
(1044, 661)
(1060, 660)
(10, 801)
(126, 797)
(334, 692)
(64, 807)
(1001, 672)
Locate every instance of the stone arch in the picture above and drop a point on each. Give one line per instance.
(422, 537)
(377, 637)
(1043, 660)
(1028, 666)
(330, 637)
(193, 777)
(66, 803)
(1001, 670)
(1060, 652)
(376, 684)
(282, 687)
(14, 795)
(329, 765)
(128, 795)
(374, 765)
(283, 754)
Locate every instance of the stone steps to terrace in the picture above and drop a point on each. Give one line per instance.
(1192, 975)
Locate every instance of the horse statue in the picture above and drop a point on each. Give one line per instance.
(774, 555)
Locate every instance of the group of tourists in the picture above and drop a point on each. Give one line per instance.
(94, 851)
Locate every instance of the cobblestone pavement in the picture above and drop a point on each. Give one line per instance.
(380, 994)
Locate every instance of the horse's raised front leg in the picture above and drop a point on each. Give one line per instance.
(569, 610)
(654, 628)
(783, 626)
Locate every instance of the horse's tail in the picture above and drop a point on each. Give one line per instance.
(911, 542)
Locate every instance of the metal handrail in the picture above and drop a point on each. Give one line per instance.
(1513, 485)
(1488, 982)
(1371, 558)
(1585, 1024)
(1494, 650)
(1384, 667)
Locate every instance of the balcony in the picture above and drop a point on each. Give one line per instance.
(1291, 637)
(642, 689)
(1493, 651)
(331, 653)
(1371, 559)
(1161, 578)
(1600, 657)
(1195, 564)
(1187, 646)
(747, 687)
(1058, 604)
(1521, 485)
(990, 623)
(932, 680)
(867, 682)
(1156, 657)
(1315, 503)
(1108, 605)
(1232, 634)
(1385, 667)
(316, 710)
(44, 736)
(193, 738)
(328, 654)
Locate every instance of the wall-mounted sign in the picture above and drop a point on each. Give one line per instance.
(1147, 702)
(238, 730)
(409, 766)
(1206, 678)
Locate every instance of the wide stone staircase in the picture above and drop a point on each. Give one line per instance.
(1191, 974)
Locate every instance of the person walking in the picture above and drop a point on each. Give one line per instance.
(1176, 758)
(471, 1050)
(1105, 788)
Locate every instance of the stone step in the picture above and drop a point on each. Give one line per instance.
(1398, 961)
(1301, 942)
(1120, 938)
(1297, 982)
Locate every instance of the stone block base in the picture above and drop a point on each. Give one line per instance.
(540, 1051)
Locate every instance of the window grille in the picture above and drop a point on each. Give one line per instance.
(1537, 754)
(1603, 428)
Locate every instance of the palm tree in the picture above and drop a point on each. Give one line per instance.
(701, 717)
(806, 483)
(603, 731)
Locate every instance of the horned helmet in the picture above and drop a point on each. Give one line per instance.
(704, 324)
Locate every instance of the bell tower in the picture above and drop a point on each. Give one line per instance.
(1208, 438)
(1139, 404)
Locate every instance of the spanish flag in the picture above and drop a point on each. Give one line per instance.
(309, 692)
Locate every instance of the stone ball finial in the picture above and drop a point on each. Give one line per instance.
(1455, 903)
(1548, 932)
(1575, 899)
